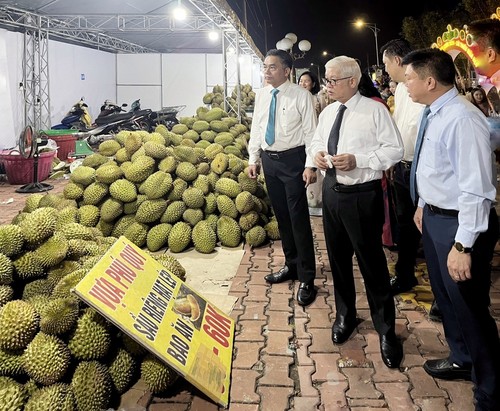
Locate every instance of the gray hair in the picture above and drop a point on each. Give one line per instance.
(347, 66)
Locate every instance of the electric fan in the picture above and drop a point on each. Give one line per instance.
(29, 140)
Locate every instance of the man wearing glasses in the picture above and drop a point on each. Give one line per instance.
(355, 142)
(283, 124)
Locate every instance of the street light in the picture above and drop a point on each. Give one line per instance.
(286, 44)
(373, 27)
(326, 54)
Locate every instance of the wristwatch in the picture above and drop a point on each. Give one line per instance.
(461, 249)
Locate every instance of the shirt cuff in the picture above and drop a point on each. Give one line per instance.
(465, 237)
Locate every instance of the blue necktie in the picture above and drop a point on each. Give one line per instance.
(272, 118)
(418, 148)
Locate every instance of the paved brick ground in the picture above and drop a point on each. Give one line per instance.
(284, 358)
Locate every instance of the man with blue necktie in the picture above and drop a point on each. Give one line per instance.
(452, 181)
(283, 124)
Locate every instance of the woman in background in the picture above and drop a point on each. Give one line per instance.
(480, 100)
(310, 82)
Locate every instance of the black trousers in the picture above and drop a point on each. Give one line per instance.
(470, 330)
(353, 225)
(409, 236)
(286, 190)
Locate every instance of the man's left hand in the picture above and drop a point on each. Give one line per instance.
(344, 162)
(459, 265)
(309, 176)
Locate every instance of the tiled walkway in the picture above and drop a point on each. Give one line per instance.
(285, 360)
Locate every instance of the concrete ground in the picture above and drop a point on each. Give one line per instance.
(284, 358)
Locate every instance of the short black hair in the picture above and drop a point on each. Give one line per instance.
(367, 88)
(396, 48)
(433, 62)
(315, 88)
(486, 32)
(285, 57)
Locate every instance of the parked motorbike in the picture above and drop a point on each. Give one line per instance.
(134, 119)
(77, 118)
(166, 116)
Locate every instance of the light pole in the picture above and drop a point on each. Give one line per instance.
(373, 27)
(317, 68)
(287, 43)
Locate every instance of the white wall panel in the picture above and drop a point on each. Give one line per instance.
(9, 133)
(150, 96)
(76, 72)
(138, 69)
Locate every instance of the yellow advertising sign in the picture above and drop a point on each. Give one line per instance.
(155, 308)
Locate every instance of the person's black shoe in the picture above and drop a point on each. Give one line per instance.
(391, 350)
(306, 294)
(399, 286)
(284, 274)
(342, 329)
(435, 313)
(445, 370)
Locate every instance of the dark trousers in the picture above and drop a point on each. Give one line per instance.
(409, 236)
(286, 190)
(470, 330)
(353, 225)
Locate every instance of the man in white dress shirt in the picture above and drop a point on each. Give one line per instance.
(355, 142)
(283, 124)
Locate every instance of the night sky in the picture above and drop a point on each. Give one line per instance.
(327, 24)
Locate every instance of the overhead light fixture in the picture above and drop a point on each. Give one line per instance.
(213, 35)
(180, 12)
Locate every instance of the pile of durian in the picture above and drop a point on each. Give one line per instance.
(166, 189)
(215, 98)
(56, 353)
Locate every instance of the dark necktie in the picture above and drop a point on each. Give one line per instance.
(418, 148)
(272, 118)
(333, 139)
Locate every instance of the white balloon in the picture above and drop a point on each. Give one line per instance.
(292, 36)
(304, 45)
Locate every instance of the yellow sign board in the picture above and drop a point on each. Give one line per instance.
(155, 308)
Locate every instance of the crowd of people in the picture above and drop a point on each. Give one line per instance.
(431, 145)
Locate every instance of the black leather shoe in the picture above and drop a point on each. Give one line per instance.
(306, 294)
(399, 286)
(391, 350)
(435, 313)
(284, 274)
(342, 329)
(445, 370)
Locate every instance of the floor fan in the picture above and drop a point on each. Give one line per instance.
(29, 141)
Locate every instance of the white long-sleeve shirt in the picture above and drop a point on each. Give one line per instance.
(295, 121)
(407, 115)
(367, 131)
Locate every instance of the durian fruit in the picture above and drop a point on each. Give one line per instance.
(137, 233)
(46, 359)
(157, 185)
(193, 197)
(122, 224)
(89, 215)
(140, 169)
(91, 338)
(123, 190)
(228, 231)
(179, 186)
(228, 187)
(109, 148)
(12, 395)
(172, 265)
(151, 210)
(21, 321)
(158, 236)
(91, 386)
(28, 266)
(39, 225)
(192, 216)
(157, 375)
(122, 369)
(82, 175)
(255, 236)
(179, 237)
(155, 150)
(6, 270)
(69, 281)
(73, 191)
(133, 347)
(59, 316)
(248, 220)
(111, 209)
(32, 202)
(272, 229)
(95, 193)
(11, 363)
(11, 239)
(95, 160)
(72, 231)
(204, 237)
(174, 212)
(226, 206)
(52, 252)
(56, 397)
(247, 183)
(6, 294)
(186, 171)
(244, 202)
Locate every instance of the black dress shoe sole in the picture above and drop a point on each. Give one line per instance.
(451, 373)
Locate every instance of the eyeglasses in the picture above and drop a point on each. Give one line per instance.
(333, 81)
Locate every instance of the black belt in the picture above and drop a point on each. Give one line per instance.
(442, 211)
(356, 188)
(276, 155)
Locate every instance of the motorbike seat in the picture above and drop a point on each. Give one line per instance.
(113, 117)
